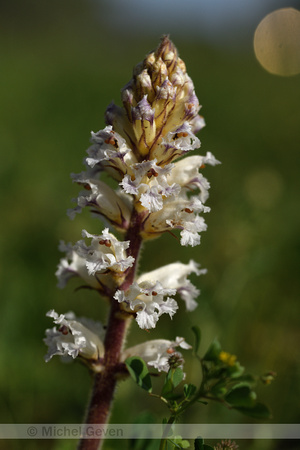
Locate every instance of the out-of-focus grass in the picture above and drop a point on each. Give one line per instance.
(55, 85)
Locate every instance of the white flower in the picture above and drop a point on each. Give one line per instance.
(74, 337)
(174, 276)
(181, 210)
(176, 143)
(146, 300)
(182, 138)
(91, 263)
(103, 201)
(73, 266)
(157, 352)
(149, 183)
(186, 173)
(105, 252)
(191, 228)
(179, 213)
(110, 152)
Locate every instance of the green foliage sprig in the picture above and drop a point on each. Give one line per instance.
(223, 380)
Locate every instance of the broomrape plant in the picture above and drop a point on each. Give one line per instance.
(146, 148)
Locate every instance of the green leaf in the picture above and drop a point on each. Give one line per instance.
(219, 389)
(199, 444)
(241, 395)
(239, 384)
(177, 376)
(236, 370)
(197, 332)
(184, 443)
(178, 442)
(258, 411)
(213, 352)
(173, 378)
(173, 444)
(167, 388)
(248, 378)
(139, 372)
(189, 390)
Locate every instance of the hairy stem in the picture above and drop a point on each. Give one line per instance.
(105, 382)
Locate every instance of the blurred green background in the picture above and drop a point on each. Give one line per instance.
(61, 64)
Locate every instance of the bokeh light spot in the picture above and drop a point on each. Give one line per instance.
(277, 42)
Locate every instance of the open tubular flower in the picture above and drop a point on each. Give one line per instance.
(174, 276)
(113, 207)
(99, 264)
(147, 301)
(110, 152)
(149, 184)
(74, 337)
(158, 353)
(146, 297)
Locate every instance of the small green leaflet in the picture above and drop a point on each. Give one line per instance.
(259, 411)
(241, 395)
(139, 372)
(199, 444)
(213, 352)
(189, 390)
(173, 378)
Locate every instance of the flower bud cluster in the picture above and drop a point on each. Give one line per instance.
(160, 115)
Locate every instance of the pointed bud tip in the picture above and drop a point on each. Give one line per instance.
(166, 49)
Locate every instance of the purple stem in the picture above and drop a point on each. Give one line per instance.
(105, 381)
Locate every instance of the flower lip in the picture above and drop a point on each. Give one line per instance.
(146, 300)
(175, 276)
(74, 337)
(149, 183)
(100, 264)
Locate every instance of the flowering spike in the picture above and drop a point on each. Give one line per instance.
(152, 192)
